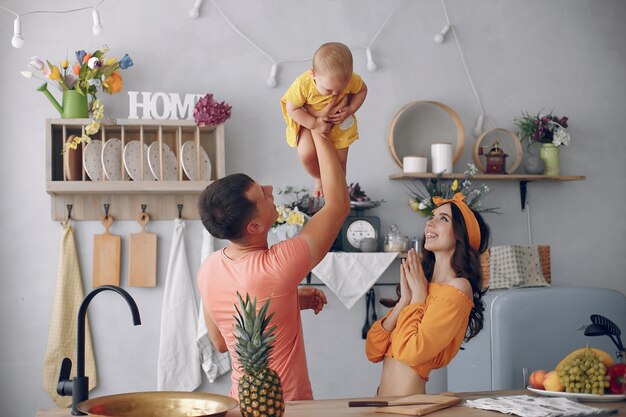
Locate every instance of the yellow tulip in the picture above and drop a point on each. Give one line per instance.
(111, 61)
(414, 205)
(455, 185)
(55, 74)
(65, 63)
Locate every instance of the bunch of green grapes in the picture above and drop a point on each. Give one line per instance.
(584, 373)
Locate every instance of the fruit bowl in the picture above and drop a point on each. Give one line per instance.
(159, 404)
(579, 397)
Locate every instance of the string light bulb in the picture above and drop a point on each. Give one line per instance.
(441, 36)
(194, 13)
(271, 80)
(371, 65)
(478, 127)
(97, 27)
(17, 41)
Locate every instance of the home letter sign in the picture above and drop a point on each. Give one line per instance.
(161, 105)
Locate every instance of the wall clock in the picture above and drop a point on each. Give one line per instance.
(356, 228)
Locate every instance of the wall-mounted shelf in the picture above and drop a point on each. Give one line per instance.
(73, 186)
(523, 179)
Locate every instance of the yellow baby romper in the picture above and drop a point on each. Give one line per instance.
(303, 91)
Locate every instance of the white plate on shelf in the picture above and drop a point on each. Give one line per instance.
(170, 165)
(92, 160)
(132, 161)
(190, 162)
(579, 397)
(112, 159)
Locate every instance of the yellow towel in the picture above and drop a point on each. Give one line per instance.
(63, 323)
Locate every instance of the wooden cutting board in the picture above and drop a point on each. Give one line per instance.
(436, 402)
(106, 256)
(142, 258)
(73, 161)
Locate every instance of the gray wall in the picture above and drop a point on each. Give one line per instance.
(531, 55)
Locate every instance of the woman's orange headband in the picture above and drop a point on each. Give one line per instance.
(471, 224)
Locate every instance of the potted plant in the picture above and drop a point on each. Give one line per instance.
(549, 130)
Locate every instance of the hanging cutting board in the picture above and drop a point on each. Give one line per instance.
(432, 403)
(142, 258)
(106, 256)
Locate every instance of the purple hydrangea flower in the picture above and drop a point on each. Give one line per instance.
(208, 112)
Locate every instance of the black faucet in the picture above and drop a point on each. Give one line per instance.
(78, 387)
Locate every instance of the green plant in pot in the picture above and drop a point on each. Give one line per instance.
(549, 131)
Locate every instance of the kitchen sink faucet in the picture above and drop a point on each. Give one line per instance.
(78, 387)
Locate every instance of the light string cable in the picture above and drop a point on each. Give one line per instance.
(271, 81)
(479, 122)
(18, 41)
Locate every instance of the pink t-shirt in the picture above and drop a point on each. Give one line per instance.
(274, 272)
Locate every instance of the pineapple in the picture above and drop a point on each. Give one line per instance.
(260, 389)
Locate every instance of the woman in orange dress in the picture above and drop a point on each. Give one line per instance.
(439, 300)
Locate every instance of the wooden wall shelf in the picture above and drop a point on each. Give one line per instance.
(523, 179)
(125, 196)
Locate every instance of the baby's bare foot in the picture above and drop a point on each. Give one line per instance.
(317, 188)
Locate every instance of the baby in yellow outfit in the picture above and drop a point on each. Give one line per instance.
(324, 99)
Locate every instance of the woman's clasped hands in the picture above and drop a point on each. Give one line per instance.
(413, 282)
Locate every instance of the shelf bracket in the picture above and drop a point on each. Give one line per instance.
(522, 193)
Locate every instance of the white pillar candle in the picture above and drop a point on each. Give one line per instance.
(441, 156)
(414, 164)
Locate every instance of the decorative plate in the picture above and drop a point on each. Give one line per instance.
(579, 397)
(92, 160)
(188, 151)
(112, 159)
(170, 165)
(132, 161)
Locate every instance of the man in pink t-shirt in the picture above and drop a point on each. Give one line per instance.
(238, 209)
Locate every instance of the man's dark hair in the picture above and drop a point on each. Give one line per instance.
(224, 209)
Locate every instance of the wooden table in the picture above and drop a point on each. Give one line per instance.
(339, 408)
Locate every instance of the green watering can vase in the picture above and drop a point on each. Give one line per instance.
(74, 103)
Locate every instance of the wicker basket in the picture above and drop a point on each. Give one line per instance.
(544, 258)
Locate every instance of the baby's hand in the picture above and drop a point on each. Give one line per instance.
(341, 115)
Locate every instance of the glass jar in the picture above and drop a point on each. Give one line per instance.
(395, 241)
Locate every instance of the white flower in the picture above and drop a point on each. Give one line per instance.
(561, 137)
(422, 206)
(27, 74)
(93, 62)
(35, 63)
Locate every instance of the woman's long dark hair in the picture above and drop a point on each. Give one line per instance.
(465, 263)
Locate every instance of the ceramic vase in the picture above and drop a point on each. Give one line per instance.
(534, 165)
(550, 156)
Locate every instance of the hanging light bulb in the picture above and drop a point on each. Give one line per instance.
(194, 13)
(371, 65)
(478, 127)
(441, 36)
(97, 27)
(17, 40)
(271, 80)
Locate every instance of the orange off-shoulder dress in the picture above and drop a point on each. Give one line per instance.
(427, 336)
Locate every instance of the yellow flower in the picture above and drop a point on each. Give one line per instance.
(295, 217)
(455, 185)
(111, 61)
(65, 63)
(415, 206)
(55, 74)
(92, 128)
(85, 138)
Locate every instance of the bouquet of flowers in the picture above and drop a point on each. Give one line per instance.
(422, 193)
(299, 208)
(208, 112)
(90, 72)
(543, 129)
